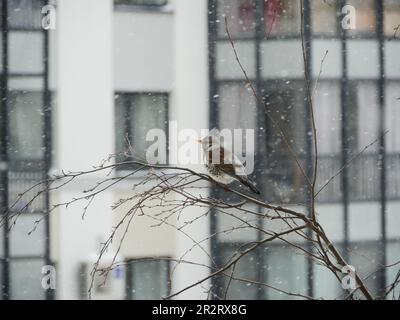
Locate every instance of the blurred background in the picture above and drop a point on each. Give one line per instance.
(79, 76)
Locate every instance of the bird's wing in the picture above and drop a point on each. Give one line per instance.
(235, 168)
(231, 163)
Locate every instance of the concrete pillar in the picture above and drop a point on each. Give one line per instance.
(190, 110)
(84, 132)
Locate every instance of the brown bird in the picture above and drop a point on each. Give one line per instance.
(223, 165)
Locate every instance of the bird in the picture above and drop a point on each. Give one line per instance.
(226, 166)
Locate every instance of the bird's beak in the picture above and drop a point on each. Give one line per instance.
(198, 141)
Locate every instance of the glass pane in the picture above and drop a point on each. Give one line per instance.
(326, 285)
(363, 59)
(26, 125)
(286, 106)
(286, 270)
(26, 279)
(331, 62)
(226, 64)
(282, 59)
(392, 61)
(392, 18)
(393, 256)
(135, 115)
(26, 52)
(231, 227)
(148, 111)
(365, 257)
(365, 16)
(1, 240)
(241, 16)
(392, 115)
(282, 17)
(368, 115)
(25, 14)
(23, 244)
(327, 119)
(246, 269)
(238, 108)
(363, 129)
(21, 181)
(121, 145)
(149, 280)
(324, 16)
(24, 84)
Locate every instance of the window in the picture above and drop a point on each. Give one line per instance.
(391, 16)
(241, 15)
(365, 16)
(244, 270)
(328, 121)
(135, 115)
(393, 253)
(26, 125)
(153, 3)
(25, 14)
(237, 106)
(392, 140)
(147, 279)
(324, 17)
(362, 120)
(282, 267)
(286, 270)
(365, 257)
(28, 149)
(351, 85)
(286, 107)
(282, 17)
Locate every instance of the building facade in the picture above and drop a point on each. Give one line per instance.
(112, 70)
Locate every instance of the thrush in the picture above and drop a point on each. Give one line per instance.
(223, 165)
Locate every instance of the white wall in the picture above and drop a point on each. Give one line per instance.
(84, 127)
(143, 51)
(190, 110)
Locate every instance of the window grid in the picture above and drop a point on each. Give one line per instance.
(344, 198)
(18, 174)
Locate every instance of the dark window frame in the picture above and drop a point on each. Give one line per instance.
(130, 4)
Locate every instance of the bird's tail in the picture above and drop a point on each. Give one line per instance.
(244, 180)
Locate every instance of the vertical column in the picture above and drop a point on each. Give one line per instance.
(310, 153)
(213, 110)
(84, 129)
(344, 99)
(190, 110)
(47, 132)
(4, 151)
(261, 138)
(382, 147)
